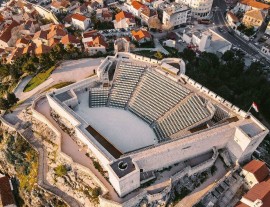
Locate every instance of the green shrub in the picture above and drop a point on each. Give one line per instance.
(60, 170)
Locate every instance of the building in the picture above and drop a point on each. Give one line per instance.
(257, 196)
(94, 42)
(246, 5)
(175, 15)
(60, 6)
(80, 22)
(266, 48)
(253, 18)
(94, 5)
(104, 15)
(6, 194)
(124, 20)
(135, 8)
(6, 35)
(206, 40)
(255, 172)
(148, 14)
(141, 36)
(40, 37)
(122, 45)
(199, 8)
(169, 118)
(42, 49)
(232, 20)
(70, 40)
(169, 43)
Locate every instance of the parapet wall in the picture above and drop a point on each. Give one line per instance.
(214, 96)
(179, 150)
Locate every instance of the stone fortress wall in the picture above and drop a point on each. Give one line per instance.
(44, 120)
(169, 152)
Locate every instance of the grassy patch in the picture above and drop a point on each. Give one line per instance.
(59, 85)
(38, 79)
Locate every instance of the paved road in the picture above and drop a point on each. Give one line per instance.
(219, 20)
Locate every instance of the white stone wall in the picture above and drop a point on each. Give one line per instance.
(175, 19)
(179, 150)
(199, 8)
(45, 13)
(125, 184)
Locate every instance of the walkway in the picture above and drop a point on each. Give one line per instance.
(159, 47)
(28, 135)
(68, 71)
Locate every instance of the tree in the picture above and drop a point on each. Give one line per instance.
(4, 71)
(29, 67)
(3, 104)
(227, 56)
(12, 99)
(188, 55)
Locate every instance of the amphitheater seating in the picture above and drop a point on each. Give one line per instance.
(98, 97)
(155, 95)
(127, 77)
(189, 113)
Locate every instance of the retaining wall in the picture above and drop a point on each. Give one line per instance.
(43, 119)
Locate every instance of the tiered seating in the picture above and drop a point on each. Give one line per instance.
(128, 75)
(98, 97)
(187, 114)
(159, 133)
(156, 94)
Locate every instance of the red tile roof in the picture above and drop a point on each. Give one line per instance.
(137, 5)
(42, 49)
(242, 205)
(22, 41)
(141, 34)
(79, 17)
(260, 191)
(5, 192)
(56, 32)
(30, 48)
(122, 15)
(232, 15)
(97, 39)
(69, 39)
(255, 4)
(90, 33)
(53, 42)
(258, 168)
(7, 31)
(41, 34)
(60, 4)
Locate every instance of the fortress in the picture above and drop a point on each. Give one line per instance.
(139, 115)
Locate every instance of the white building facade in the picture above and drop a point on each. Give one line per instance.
(199, 8)
(175, 15)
